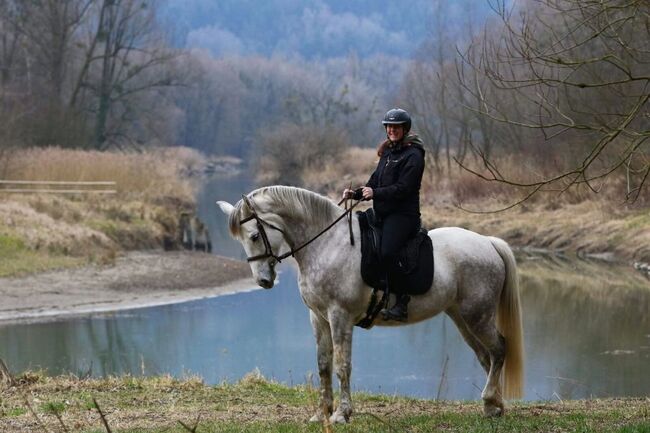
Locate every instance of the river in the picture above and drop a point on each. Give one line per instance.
(586, 327)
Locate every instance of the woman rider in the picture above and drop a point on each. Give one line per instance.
(394, 188)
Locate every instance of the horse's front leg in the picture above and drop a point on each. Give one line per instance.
(324, 352)
(342, 326)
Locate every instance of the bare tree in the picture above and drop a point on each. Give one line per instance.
(83, 72)
(124, 59)
(9, 43)
(420, 95)
(433, 91)
(9, 94)
(49, 27)
(579, 72)
(42, 51)
(212, 106)
(287, 150)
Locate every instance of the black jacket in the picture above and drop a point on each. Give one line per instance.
(397, 178)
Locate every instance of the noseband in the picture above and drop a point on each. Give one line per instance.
(268, 251)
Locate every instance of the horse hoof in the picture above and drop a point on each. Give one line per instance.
(317, 418)
(338, 418)
(493, 411)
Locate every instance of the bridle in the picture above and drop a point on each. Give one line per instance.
(268, 250)
(375, 305)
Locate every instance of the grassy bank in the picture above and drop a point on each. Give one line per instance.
(45, 231)
(160, 404)
(589, 228)
(578, 221)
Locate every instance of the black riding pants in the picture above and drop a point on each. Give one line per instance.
(396, 230)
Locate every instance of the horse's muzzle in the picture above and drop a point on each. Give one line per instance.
(265, 283)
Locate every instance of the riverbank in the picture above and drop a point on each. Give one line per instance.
(136, 279)
(586, 230)
(70, 225)
(578, 222)
(139, 279)
(35, 403)
(53, 231)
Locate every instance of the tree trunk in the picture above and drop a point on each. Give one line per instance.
(104, 103)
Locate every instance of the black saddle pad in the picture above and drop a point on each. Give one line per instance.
(415, 273)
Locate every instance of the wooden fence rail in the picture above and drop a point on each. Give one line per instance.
(57, 187)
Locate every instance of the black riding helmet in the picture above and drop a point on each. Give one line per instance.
(397, 116)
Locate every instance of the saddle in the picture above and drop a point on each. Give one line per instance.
(415, 265)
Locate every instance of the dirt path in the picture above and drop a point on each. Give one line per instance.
(138, 279)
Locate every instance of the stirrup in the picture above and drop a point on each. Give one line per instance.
(398, 312)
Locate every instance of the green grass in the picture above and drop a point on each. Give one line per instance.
(637, 428)
(459, 423)
(17, 411)
(255, 405)
(16, 259)
(640, 221)
(53, 407)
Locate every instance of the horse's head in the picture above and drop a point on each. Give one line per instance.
(260, 232)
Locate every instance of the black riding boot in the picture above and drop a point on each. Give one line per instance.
(399, 311)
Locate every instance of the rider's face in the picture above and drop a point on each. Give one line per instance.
(395, 132)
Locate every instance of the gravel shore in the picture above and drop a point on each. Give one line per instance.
(137, 279)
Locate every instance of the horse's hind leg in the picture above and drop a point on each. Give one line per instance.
(324, 352)
(482, 327)
(481, 352)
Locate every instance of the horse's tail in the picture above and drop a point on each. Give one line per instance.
(509, 324)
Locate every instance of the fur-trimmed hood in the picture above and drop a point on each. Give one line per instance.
(410, 140)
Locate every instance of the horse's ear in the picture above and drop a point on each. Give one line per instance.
(226, 207)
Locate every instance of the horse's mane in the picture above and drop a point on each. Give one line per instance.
(288, 200)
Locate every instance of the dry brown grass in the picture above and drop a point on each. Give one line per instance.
(152, 191)
(353, 168)
(149, 174)
(458, 187)
(576, 221)
(41, 231)
(586, 228)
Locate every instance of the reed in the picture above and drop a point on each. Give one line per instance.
(57, 230)
(148, 174)
(444, 184)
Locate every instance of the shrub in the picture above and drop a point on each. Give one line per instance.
(288, 151)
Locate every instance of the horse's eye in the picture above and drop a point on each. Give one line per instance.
(255, 237)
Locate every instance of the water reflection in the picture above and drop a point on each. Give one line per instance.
(591, 324)
(228, 188)
(587, 334)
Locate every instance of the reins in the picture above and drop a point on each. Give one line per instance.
(376, 303)
(267, 245)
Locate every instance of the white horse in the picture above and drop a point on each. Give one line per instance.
(475, 283)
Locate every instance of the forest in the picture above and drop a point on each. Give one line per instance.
(538, 95)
